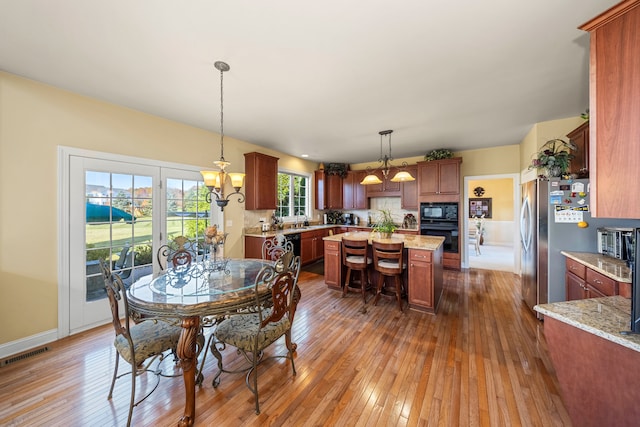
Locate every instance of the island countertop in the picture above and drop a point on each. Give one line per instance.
(605, 317)
(430, 243)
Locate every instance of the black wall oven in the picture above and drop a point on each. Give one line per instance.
(441, 219)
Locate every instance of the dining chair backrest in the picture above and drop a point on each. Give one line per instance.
(282, 286)
(274, 247)
(388, 258)
(354, 252)
(180, 252)
(117, 294)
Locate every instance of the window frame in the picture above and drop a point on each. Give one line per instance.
(307, 206)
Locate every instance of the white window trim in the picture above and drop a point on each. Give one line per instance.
(310, 196)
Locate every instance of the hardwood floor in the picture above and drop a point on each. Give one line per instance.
(481, 361)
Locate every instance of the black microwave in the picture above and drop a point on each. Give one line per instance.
(439, 212)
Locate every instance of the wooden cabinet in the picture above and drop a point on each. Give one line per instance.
(409, 191)
(614, 110)
(253, 246)
(419, 274)
(332, 264)
(439, 180)
(354, 194)
(261, 189)
(328, 190)
(583, 282)
(385, 189)
(311, 245)
(580, 163)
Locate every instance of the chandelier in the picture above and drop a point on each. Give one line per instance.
(400, 176)
(215, 180)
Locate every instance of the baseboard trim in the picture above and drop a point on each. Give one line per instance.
(25, 344)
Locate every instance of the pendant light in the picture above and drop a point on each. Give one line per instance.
(215, 180)
(400, 176)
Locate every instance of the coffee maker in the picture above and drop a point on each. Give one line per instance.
(347, 219)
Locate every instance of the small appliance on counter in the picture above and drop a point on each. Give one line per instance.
(410, 222)
(614, 242)
(347, 219)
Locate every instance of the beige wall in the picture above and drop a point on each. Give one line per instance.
(34, 120)
(500, 191)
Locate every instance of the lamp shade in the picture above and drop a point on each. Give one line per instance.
(237, 179)
(402, 176)
(371, 179)
(211, 178)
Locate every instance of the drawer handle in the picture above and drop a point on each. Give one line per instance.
(598, 281)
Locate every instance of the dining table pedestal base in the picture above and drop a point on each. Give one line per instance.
(187, 354)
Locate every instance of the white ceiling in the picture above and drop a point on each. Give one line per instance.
(321, 78)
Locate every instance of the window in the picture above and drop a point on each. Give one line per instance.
(293, 195)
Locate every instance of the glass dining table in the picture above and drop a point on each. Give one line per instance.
(191, 293)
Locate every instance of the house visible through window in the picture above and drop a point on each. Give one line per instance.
(293, 195)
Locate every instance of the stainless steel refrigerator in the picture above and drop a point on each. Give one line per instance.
(547, 208)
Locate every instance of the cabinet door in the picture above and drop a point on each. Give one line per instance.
(579, 165)
(449, 178)
(360, 200)
(332, 264)
(614, 110)
(409, 191)
(348, 195)
(428, 178)
(334, 191)
(253, 247)
(306, 249)
(575, 287)
(260, 181)
(420, 279)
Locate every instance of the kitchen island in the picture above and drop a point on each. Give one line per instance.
(597, 366)
(423, 276)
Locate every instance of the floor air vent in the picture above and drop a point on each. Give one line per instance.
(24, 356)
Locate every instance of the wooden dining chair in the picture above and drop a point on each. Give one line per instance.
(389, 262)
(252, 333)
(141, 344)
(355, 258)
(274, 247)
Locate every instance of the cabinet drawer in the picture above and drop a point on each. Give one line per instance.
(331, 245)
(602, 283)
(421, 256)
(576, 268)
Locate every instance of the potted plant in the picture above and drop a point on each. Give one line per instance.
(554, 157)
(385, 225)
(439, 154)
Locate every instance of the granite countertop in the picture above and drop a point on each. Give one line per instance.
(610, 267)
(604, 317)
(257, 233)
(430, 243)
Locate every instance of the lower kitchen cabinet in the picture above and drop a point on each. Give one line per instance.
(311, 245)
(253, 246)
(582, 282)
(332, 264)
(424, 278)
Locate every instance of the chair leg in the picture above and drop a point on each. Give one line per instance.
(364, 284)
(399, 291)
(347, 281)
(134, 374)
(378, 289)
(115, 375)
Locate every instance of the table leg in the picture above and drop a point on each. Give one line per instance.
(187, 354)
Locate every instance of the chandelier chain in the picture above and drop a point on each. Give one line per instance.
(221, 115)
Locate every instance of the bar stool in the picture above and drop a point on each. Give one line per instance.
(388, 260)
(354, 257)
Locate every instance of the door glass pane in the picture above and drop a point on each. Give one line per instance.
(187, 209)
(117, 228)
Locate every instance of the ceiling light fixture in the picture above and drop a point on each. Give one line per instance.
(400, 176)
(215, 180)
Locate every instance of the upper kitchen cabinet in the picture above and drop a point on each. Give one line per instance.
(614, 110)
(386, 188)
(439, 180)
(409, 190)
(580, 163)
(261, 181)
(328, 190)
(354, 195)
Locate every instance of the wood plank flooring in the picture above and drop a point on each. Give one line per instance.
(481, 361)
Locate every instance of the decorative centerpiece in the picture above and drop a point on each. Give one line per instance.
(385, 225)
(215, 239)
(554, 158)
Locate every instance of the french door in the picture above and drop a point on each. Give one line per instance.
(122, 212)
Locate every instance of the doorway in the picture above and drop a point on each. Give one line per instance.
(119, 209)
(498, 195)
